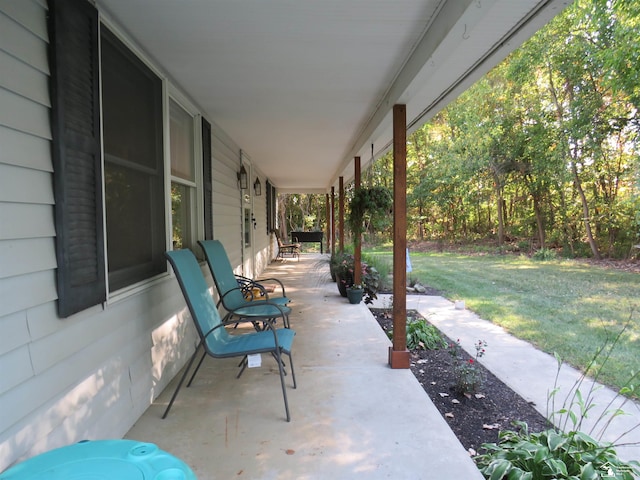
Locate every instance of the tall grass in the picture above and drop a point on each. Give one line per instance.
(384, 266)
(560, 306)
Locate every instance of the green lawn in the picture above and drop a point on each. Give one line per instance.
(560, 306)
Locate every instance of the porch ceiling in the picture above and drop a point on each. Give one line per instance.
(304, 86)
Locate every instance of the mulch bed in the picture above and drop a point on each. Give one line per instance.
(474, 418)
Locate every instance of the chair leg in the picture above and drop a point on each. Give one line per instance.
(284, 390)
(204, 354)
(184, 375)
(293, 373)
(244, 363)
(280, 360)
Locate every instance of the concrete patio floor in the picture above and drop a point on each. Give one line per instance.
(352, 416)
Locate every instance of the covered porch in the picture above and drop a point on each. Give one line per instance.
(290, 94)
(352, 415)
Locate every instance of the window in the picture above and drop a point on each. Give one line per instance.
(183, 177)
(133, 166)
(118, 149)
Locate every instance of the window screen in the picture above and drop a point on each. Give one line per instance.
(134, 176)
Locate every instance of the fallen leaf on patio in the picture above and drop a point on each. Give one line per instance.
(290, 452)
(449, 414)
(455, 400)
(493, 426)
(443, 394)
(479, 395)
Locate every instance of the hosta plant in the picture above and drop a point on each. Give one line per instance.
(421, 335)
(565, 451)
(521, 455)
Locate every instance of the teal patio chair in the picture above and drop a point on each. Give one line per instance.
(233, 290)
(216, 341)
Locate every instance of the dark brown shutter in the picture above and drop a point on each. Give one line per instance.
(274, 199)
(75, 123)
(207, 180)
(268, 202)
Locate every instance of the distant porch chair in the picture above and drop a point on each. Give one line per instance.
(287, 249)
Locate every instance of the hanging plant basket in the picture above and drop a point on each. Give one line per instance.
(372, 202)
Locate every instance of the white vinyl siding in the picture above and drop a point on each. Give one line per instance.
(23, 33)
(15, 332)
(29, 117)
(226, 194)
(12, 182)
(227, 209)
(24, 150)
(93, 374)
(21, 220)
(20, 78)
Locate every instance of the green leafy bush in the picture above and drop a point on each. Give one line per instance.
(422, 335)
(521, 455)
(544, 254)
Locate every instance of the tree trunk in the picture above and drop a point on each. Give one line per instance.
(539, 220)
(500, 210)
(566, 229)
(585, 212)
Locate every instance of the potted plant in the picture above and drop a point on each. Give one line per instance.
(370, 282)
(334, 262)
(370, 204)
(355, 293)
(344, 265)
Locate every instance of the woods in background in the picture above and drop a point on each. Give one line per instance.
(542, 152)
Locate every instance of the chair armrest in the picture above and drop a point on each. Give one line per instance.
(243, 291)
(247, 285)
(275, 280)
(257, 283)
(260, 304)
(267, 325)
